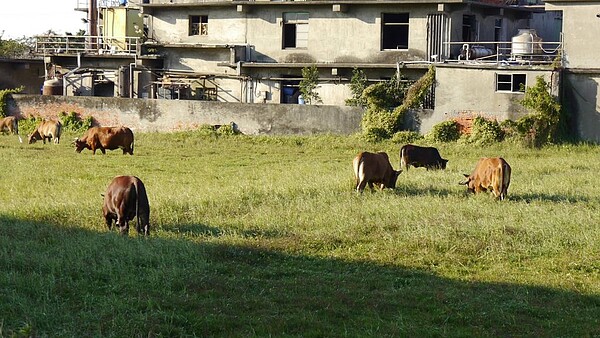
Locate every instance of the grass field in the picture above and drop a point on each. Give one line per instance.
(264, 236)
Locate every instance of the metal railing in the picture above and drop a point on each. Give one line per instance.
(84, 4)
(71, 44)
(536, 52)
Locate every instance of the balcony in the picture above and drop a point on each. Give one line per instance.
(73, 45)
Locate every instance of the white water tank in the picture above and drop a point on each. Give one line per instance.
(526, 42)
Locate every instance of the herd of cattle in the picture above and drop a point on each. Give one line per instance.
(375, 168)
(126, 198)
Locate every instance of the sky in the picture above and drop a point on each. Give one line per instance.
(20, 18)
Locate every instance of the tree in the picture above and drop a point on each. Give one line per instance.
(308, 85)
(12, 48)
(358, 84)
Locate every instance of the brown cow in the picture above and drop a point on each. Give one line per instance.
(490, 173)
(48, 129)
(126, 198)
(11, 125)
(428, 157)
(372, 168)
(103, 138)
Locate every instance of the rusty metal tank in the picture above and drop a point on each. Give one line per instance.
(53, 87)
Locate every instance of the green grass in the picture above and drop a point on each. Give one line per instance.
(264, 236)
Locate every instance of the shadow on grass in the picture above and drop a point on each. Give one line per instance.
(203, 230)
(74, 282)
(529, 197)
(408, 189)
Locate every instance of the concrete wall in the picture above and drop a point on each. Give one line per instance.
(172, 115)
(581, 29)
(472, 91)
(580, 97)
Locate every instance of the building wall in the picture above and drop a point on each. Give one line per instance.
(27, 73)
(581, 28)
(580, 98)
(472, 91)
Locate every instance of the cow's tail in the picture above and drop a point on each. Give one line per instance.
(505, 180)
(402, 160)
(58, 132)
(141, 201)
(16, 128)
(358, 165)
(132, 142)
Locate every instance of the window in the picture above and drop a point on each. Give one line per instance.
(295, 30)
(498, 30)
(198, 25)
(469, 27)
(394, 31)
(514, 83)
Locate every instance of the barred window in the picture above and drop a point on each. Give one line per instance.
(198, 25)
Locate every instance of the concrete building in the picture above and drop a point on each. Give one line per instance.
(581, 78)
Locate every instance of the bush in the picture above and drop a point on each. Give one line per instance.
(228, 129)
(485, 131)
(446, 131)
(72, 122)
(27, 126)
(4, 95)
(406, 136)
(543, 123)
(377, 124)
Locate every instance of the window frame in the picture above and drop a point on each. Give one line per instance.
(391, 27)
(510, 83)
(198, 25)
(294, 30)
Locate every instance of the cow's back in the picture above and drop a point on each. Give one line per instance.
(418, 156)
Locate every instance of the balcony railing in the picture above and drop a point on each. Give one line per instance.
(70, 44)
(521, 52)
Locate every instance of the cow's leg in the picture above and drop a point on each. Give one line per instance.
(109, 221)
(123, 226)
(103, 151)
(361, 186)
(370, 185)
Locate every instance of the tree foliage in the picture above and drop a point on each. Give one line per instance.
(308, 85)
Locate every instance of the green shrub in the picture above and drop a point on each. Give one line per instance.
(377, 124)
(227, 129)
(27, 126)
(446, 131)
(4, 95)
(72, 122)
(485, 131)
(540, 127)
(406, 136)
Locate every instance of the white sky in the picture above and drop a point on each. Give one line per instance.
(20, 18)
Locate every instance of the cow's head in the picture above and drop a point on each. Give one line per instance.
(393, 178)
(443, 163)
(79, 145)
(470, 183)
(31, 138)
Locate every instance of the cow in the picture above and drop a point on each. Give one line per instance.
(126, 198)
(11, 125)
(372, 168)
(48, 129)
(491, 173)
(103, 138)
(428, 157)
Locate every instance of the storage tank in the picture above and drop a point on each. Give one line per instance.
(53, 87)
(526, 42)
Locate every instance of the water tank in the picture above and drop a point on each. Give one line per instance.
(53, 87)
(527, 42)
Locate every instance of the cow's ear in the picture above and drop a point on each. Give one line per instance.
(466, 175)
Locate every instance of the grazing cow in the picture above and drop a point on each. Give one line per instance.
(490, 173)
(11, 125)
(428, 157)
(50, 130)
(103, 138)
(126, 198)
(372, 168)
